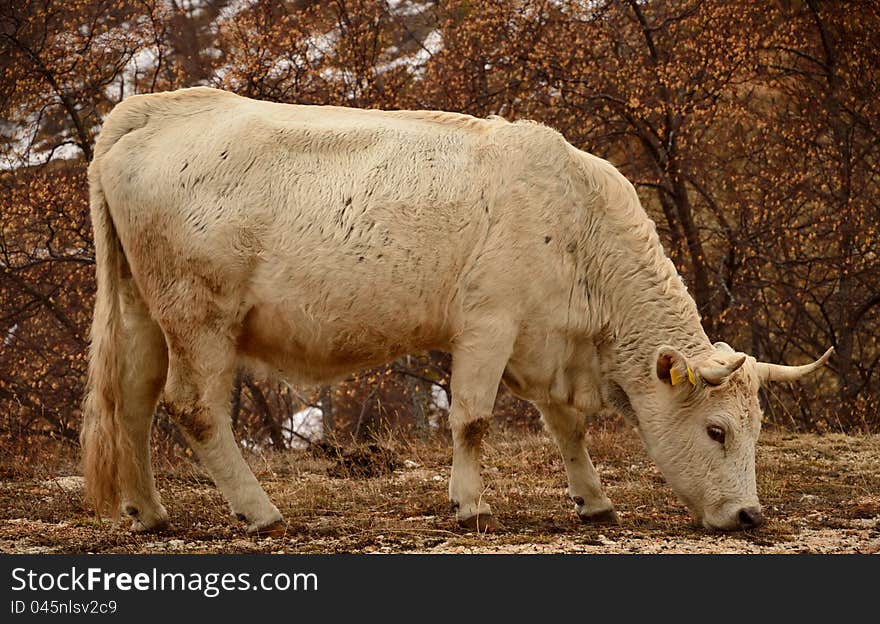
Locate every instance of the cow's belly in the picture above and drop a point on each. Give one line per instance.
(316, 347)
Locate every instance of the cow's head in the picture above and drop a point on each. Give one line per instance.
(700, 425)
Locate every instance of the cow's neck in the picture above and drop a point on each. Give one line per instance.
(644, 303)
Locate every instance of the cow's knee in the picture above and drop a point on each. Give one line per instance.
(469, 435)
(184, 406)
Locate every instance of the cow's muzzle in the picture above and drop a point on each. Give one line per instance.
(749, 518)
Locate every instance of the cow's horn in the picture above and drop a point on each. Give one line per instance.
(723, 346)
(715, 374)
(778, 372)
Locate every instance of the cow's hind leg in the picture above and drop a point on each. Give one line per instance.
(200, 372)
(478, 360)
(567, 427)
(146, 364)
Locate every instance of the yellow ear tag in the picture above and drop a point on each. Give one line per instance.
(691, 377)
(676, 377)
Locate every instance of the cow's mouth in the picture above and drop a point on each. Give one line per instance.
(745, 518)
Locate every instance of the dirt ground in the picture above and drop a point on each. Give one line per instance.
(821, 494)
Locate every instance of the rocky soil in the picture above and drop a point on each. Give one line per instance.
(821, 494)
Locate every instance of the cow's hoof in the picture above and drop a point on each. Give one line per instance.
(481, 523)
(140, 527)
(276, 529)
(606, 516)
(146, 520)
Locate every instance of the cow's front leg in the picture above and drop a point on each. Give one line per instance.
(478, 360)
(567, 427)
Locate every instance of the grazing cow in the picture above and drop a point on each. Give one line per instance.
(316, 240)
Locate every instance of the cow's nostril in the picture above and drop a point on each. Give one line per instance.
(750, 517)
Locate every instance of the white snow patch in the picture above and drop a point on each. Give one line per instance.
(10, 335)
(308, 423)
(406, 8)
(439, 406)
(135, 73)
(433, 43)
(439, 400)
(415, 63)
(233, 8)
(20, 151)
(319, 46)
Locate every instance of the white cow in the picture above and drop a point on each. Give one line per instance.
(317, 240)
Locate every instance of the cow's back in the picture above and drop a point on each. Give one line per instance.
(335, 236)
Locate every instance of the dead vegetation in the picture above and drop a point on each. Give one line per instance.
(821, 494)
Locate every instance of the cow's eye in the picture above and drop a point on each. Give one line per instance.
(716, 433)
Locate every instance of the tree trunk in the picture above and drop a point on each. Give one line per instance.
(276, 435)
(325, 398)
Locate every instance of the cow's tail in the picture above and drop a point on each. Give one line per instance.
(103, 404)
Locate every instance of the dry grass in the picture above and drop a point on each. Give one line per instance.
(821, 494)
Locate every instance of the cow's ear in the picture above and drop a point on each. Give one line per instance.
(673, 367)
